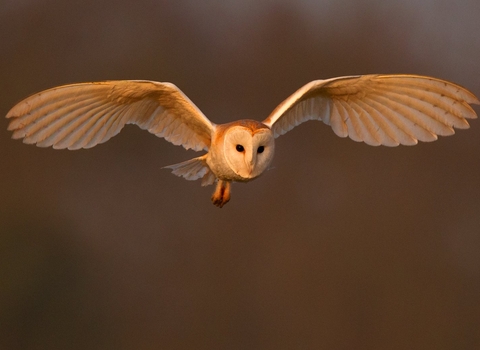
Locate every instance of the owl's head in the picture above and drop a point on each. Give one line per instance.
(248, 148)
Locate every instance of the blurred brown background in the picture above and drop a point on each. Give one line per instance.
(339, 246)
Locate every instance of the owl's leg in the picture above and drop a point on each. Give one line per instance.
(222, 193)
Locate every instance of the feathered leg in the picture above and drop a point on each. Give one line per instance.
(221, 196)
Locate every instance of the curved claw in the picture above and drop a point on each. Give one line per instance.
(221, 196)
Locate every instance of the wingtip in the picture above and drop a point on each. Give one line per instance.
(18, 134)
(11, 113)
(13, 124)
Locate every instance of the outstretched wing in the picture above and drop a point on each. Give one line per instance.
(379, 109)
(84, 115)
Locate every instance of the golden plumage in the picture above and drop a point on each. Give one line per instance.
(376, 109)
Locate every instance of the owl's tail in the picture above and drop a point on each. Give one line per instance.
(194, 169)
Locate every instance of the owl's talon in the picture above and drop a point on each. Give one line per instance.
(221, 196)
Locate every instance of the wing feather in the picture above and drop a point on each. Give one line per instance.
(40, 118)
(84, 115)
(111, 128)
(443, 108)
(409, 132)
(350, 121)
(76, 129)
(61, 127)
(379, 109)
(375, 133)
(415, 125)
(338, 123)
(426, 116)
(98, 124)
(385, 130)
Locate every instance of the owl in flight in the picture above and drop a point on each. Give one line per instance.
(376, 109)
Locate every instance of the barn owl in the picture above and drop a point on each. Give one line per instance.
(376, 109)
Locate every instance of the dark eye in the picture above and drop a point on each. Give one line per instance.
(260, 149)
(240, 148)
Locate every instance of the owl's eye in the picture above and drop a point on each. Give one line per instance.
(260, 149)
(240, 148)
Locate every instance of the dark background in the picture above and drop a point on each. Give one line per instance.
(340, 246)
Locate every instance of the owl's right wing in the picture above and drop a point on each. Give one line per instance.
(378, 109)
(86, 114)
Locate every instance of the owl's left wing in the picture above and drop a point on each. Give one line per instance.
(379, 109)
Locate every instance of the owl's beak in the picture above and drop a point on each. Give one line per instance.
(250, 163)
(250, 169)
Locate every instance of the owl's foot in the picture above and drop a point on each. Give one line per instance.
(221, 196)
